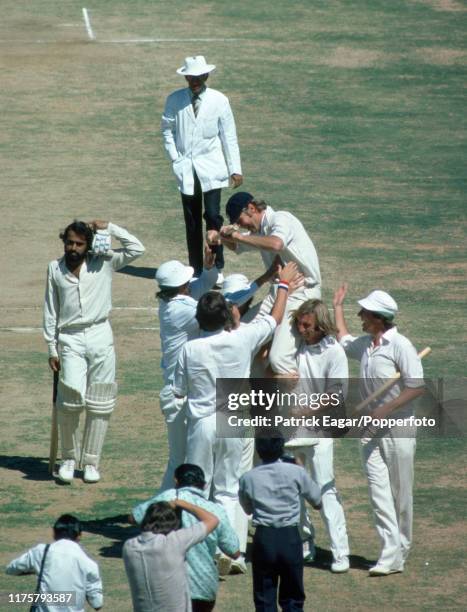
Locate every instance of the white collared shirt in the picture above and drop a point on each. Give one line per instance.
(178, 323)
(324, 366)
(221, 354)
(298, 246)
(66, 568)
(394, 354)
(72, 303)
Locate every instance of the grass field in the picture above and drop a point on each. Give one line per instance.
(349, 114)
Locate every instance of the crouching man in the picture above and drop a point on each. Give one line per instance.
(80, 340)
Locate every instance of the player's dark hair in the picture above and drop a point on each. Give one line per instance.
(270, 449)
(80, 228)
(168, 293)
(160, 518)
(190, 475)
(212, 312)
(67, 527)
(387, 323)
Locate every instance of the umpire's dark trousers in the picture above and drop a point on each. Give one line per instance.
(277, 558)
(192, 210)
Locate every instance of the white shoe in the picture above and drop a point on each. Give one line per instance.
(91, 474)
(340, 566)
(220, 280)
(238, 566)
(224, 564)
(67, 470)
(381, 570)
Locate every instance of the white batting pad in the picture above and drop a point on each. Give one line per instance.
(69, 398)
(94, 436)
(101, 397)
(68, 423)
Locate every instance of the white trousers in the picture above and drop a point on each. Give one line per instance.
(174, 411)
(389, 466)
(319, 461)
(86, 356)
(220, 460)
(286, 339)
(241, 518)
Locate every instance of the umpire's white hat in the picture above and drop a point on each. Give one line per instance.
(195, 66)
(381, 303)
(173, 274)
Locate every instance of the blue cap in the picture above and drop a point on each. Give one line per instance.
(236, 204)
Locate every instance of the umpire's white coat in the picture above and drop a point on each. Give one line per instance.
(206, 144)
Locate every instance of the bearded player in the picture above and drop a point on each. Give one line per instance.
(80, 340)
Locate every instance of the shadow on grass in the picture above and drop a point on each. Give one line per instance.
(116, 528)
(139, 271)
(33, 468)
(323, 560)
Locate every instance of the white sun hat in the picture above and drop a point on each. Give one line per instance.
(237, 289)
(195, 66)
(381, 303)
(173, 274)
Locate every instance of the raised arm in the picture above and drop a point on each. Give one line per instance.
(132, 247)
(338, 303)
(289, 280)
(210, 520)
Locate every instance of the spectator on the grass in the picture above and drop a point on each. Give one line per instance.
(62, 566)
(272, 493)
(203, 575)
(155, 560)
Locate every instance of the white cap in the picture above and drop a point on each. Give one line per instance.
(195, 66)
(173, 274)
(381, 303)
(236, 288)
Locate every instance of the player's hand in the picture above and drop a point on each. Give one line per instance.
(209, 257)
(213, 238)
(296, 283)
(54, 363)
(339, 295)
(228, 230)
(236, 180)
(288, 273)
(98, 224)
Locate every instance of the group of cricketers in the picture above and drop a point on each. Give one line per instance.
(211, 330)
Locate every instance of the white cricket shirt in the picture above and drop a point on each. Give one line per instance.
(378, 363)
(178, 323)
(72, 303)
(219, 354)
(67, 568)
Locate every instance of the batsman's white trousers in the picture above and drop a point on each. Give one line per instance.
(220, 460)
(241, 518)
(389, 466)
(286, 339)
(87, 356)
(319, 461)
(174, 411)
